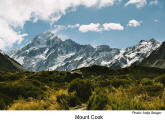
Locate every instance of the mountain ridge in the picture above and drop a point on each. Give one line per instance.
(48, 52)
(9, 64)
(156, 58)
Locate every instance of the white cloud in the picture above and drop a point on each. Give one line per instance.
(58, 28)
(138, 3)
(8, 36)
(19, 11)
(90, 27)
(73, 26)
(154, 2)
(98, 28)
(112, 26)
(104, 3)
(134, 23)
(16, 13)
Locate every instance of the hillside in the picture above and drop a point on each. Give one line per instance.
(156, 59)
(92, 88)
(9, 64)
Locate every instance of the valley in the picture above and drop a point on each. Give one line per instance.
(89, 88)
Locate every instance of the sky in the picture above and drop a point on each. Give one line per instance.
(117, 23)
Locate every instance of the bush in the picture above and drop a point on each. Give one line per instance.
(97, 101)
(20, 88)
(132, 88)
(105, 83)
(2, 104)
(136, 90)
(34, 104)
(73, 101)
(147, 81)
(4, 101)
(160, 79)
(68, 101)
(48, 102)
(63, 100)
(22, 104)
(120, 82)
(154, 90)
(82, 89)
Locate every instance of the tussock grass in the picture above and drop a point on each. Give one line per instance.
(98, 88)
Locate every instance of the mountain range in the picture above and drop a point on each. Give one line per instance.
(48, 52)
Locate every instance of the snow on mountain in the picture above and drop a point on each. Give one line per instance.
(2, 52)
(48, 52)
(135, 54)
(156, 58)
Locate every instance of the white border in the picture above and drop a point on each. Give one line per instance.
(70, 115)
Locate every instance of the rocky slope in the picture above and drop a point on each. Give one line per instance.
(156, 58)
(135, 54)
(8, 64)
(48, 52)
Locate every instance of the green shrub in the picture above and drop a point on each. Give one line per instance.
(120, 82)
(63, 100)
(4, 101)
(154, 90)
(68, 101)
(160, 79)
(2, 104)
(147, 81)
(20, 89)
(73, 101)
(82, 88)
(104, 83)
(97, 101)
(136, 90)
(114, 89)
(35, 104)
(123, 102)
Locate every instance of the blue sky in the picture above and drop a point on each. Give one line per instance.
(118, 25)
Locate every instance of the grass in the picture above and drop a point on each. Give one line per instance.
(95, 87)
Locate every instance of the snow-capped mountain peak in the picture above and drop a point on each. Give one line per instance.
(45, 39)
(48, 52)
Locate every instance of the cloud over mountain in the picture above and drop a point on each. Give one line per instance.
(94, 27)
(15, 13)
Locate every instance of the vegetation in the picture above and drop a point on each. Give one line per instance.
(96, 87)
(81, 88)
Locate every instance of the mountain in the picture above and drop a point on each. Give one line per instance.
(156, 58)
(9, 64)
(135, 54)
(48, 52)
